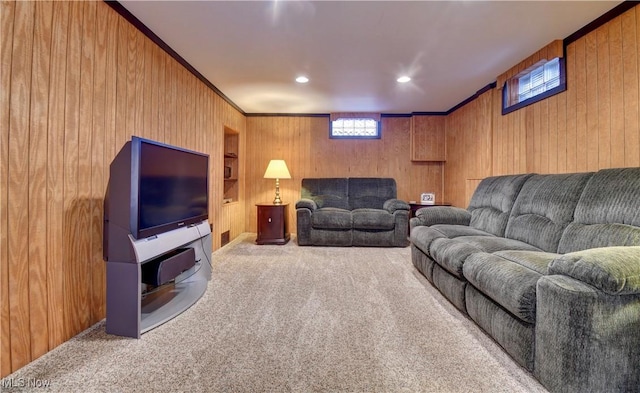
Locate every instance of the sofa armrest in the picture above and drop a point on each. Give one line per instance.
(613, 270)
(306, 204)
(391, 205)
(442, 215)
(585, 339)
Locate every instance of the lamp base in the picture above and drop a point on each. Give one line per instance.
(277, 200)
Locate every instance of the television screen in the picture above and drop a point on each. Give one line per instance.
(172, 187)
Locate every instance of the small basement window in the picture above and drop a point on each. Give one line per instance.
(542, 80)
(354, 128)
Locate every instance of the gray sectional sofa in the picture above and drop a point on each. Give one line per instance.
(549, 267)
(351, 212)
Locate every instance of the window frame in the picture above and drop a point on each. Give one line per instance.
(378, 134)
(539, 97)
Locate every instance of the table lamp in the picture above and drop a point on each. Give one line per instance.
(277, 169)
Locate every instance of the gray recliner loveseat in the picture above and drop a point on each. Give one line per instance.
(351, 212)
(549, 267)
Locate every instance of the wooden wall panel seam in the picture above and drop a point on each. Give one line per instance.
(18, 185)
(7, 10)
(55, 186)
(37, 179)
(98, 184)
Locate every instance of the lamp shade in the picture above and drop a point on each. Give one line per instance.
(277, 169)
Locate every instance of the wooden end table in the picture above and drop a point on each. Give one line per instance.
(273, 223)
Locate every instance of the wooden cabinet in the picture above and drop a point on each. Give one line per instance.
(273, 223)
(428, 138)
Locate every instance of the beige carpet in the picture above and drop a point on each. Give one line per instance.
(293, 319)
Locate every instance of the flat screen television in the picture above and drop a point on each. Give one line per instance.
(170, 187)
(154, 188)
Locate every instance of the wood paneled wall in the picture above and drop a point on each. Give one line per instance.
(304, 144)
(77, 82)
(594, 124)
(232, 219)
(468, 145)
(428, 138)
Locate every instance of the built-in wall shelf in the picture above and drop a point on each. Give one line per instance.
(231, 177)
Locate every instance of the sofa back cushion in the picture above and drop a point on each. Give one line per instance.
(327, 192)
(492, 201)
(544, 207)
(370, 192)
(607, 214)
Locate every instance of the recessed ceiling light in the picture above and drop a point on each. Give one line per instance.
(403, 79)
(302, 79)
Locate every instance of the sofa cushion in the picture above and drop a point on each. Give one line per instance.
(449, 245)
(492, 201)
(508, 282)
(365, 192)
(534, 260)
(494, 243)
(422, 237)
(329, 192)
(607, 214)
(331, 218)
(453, 231)
(579, 237)
(452, 254)
(372, 219)
(614, 270)
(544, 208)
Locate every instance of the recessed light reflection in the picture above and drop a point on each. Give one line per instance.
(403, 79)
(302, 79)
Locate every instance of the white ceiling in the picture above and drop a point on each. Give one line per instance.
(353, 51)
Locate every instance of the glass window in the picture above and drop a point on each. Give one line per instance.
(355, 128)
(543, 80)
